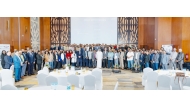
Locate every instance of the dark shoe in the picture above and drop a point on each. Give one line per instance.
(29, 75)
(16, 81)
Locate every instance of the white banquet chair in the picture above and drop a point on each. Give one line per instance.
(151, 82)
(175, 83)
(7, 77)
(50, 80)
(73, 80)
(46, 69)
(62, 81)
(116, 85)
(9, 87)
(12, 68)
(98, 74)
(144, 77)
(42, 79)
(43, 71)
(89, 82)
(164, 82)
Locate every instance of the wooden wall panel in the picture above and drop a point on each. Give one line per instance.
(25, 32)
(146, 32)
(176, 32)
(163, 31)
(45, 33)
(186, 35)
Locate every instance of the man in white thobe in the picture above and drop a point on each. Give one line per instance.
(99, 57)
(173, 56)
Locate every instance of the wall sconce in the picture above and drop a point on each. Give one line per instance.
(8, 25)
(26, 29)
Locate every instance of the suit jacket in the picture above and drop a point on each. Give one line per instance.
(25, 57)
(164, 59)
(8, 61)
(2, 59)
(39, 59)
(146, 58)
(141, 58)
(17, 62)
(180, 58)
(105, 55)
(93, 56)
(31, 58)
(136, 56)
(155, 58)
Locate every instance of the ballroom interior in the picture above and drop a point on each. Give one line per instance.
(40, 33)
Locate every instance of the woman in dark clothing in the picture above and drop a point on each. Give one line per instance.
(3, 54)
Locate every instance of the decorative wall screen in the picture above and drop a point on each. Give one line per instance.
(127, 30)
(60, 30)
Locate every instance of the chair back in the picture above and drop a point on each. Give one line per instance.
(164, 82)
(50, 80)
(98, 74)
(8, 87)
(73, 80)
(42, 79)
(116, 85)
(12, 68)
(151, 82)
(7, 77)
(43, 71)
(63, 81)
(144, 77)
(89, 82)
(46, 69)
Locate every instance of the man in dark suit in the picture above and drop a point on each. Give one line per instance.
(24, 54)
(180, 59)
(141, 60)
(35, 53)
(8, 60)
(31, 62)
(105, 58)
(17, 66)
(39, 60)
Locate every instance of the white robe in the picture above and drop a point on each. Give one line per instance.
(99, 57)
(73, 58)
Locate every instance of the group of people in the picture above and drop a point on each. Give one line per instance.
(93, 55)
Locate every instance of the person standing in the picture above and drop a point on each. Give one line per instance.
(99, 57)
(164, 61)
(24, 66)
(79, 59)
(31, 62)
(3, 54)
(105, 58)
(141, 60)
(130, 56)
(180, 59)
(121, 59)
(39, 60)
(17, 66)
(125, 59)
(110, 58)
(50, 60)
(94, 59)
(47, 58)
(146, 59)
(8, 60)
(155, 60)
(63, 58)
(35, 53)
(74, 58)
(59, 62)
(90, 58)
(160, 56)
(68, 57)
(173, 56)
(116, 59)
(86, 58)
(136, 58)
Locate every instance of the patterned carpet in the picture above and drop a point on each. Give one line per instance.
(126, 79)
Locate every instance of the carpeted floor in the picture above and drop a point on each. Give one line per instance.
(126, 79)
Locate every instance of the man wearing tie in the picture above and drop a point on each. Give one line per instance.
(8, 60)
(180, 59)
(17, 66)
(31, 62)
(79, 59)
